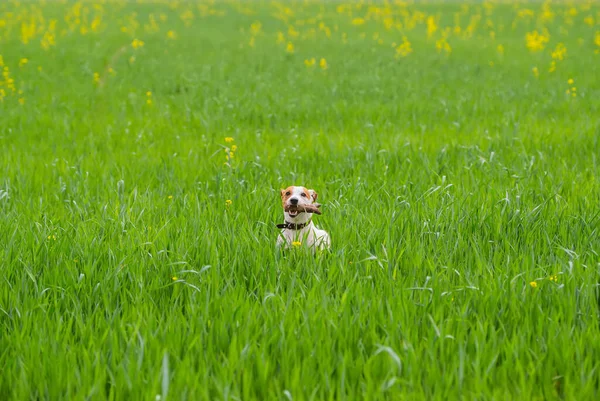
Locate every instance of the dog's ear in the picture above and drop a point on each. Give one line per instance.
(281, 193)
(313, 195)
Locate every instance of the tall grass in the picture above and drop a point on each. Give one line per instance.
(461, 191)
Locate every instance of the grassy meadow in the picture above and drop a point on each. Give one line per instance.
(455, 148)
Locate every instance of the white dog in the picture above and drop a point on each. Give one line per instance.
(298, 228)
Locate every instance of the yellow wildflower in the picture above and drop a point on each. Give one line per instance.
(174, 278)
(280, 37)
(560, 52)
(228, 139)
(536, 41)
(533, 284)
(323, 64)
(255, 28)
(536, 72)
(171, 35)
(23, 61)
(404, 49)
(290, 47)
(96, 78)
(309, 63)
(570, 81)
(431, 26)
(296, 244)
(443, 45)
(228, 202)
(358, 21)
(137, 43)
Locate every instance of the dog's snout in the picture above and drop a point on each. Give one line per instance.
(294, 201)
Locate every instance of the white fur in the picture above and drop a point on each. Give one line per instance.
(310, 235)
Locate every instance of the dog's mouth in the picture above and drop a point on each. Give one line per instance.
(293, 213)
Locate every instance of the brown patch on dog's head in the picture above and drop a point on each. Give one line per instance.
(286, 194)
(312, 194)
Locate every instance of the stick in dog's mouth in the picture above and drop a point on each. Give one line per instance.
(294, 210)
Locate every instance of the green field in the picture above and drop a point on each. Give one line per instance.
(455, 149)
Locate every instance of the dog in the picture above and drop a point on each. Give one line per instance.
(298, 228)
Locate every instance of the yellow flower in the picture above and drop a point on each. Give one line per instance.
(96, 78)
(536, 72)
(290, 47)
(533, 284)
(228, 202)
(149, 94)
(137, 43)
(296, 244)
(431, 26)
(535, 42)
(255, 28)
(233, 148)
(111, 71)
(228, 139)
(174, 278)
(358, 21)
(443, 45)
(280, 37)
(309, 63)
(21, 101)
(171, 35)
(170, 197)
(404, 49)
(323, 64)
(22, 62)
(560, 52)
(570, 81)
(500, 49)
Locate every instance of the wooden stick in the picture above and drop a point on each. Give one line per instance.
(314, 208)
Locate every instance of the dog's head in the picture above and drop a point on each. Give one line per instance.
(292, 196)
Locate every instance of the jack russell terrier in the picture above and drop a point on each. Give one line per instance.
(298, 228)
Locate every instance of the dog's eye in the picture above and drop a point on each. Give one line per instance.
(288, 193)
(303, 195)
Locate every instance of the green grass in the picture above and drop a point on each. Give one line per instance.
(450, 182)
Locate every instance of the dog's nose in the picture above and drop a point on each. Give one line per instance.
(294, 201)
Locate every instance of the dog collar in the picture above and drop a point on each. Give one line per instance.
(293, 226)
